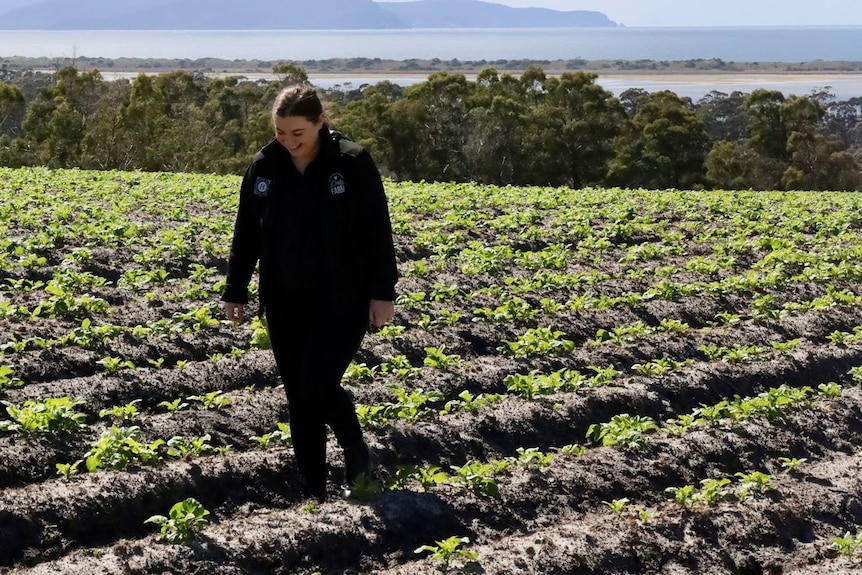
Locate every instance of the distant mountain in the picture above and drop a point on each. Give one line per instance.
(281, 15)
(477, 14)
(198, 15)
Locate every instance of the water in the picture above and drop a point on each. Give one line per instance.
(753, 44)
(775, 44)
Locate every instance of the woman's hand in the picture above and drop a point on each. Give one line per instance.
(234, 311)
(380, 312)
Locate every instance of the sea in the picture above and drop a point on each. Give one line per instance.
(731, 44)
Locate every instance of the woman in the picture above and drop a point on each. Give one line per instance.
(312, 211)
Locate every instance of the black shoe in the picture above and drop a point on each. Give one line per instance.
(357, 460)
(316, 492)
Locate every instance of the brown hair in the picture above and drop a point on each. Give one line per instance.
(298, 100)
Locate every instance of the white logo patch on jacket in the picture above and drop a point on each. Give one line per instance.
(336, 184)
(261, 187)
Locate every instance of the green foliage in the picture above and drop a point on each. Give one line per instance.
(119, 447)
(50, 415)
(624, 430)
(538, 341)
(280, 435)
(447, 550)
(128, 412)
(173, 406)
(189, 447)
(212, 400)
(848, 544)
(7, 379)
(184, 520)
(617, 505)
(479, 477)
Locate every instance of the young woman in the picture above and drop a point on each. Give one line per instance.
(312, 211)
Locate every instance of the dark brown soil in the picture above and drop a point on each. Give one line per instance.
(554, 519)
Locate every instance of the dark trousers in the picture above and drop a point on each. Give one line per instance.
(313, 341)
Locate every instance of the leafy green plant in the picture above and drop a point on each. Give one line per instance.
(617, 505)
(364, 488)
(280, 435)
(478, 476)
(538, 341)
(212, 400)
(189, 447)
(848, 544)
(50, 415)
(260, 334)
(791, 463)
(470, 403)
(113, 365)
(623, 430)
(184, 520)
(7, 380)
(175, 405)
(128, 412)
(68, 470)
(119, 447)
(438, 359)
(754, 483)
(532, 458)
(447, 550)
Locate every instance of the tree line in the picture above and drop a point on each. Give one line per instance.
(502, 128)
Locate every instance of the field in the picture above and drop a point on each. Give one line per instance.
(576, 382)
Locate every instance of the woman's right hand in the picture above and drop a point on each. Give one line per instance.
(234, 311)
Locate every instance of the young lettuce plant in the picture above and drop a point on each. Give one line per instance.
(447, 550)
(184, 520)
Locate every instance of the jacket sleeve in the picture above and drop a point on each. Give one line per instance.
(379, 248)
(245, 246)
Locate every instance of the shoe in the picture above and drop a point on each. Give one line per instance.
(357, 460)
(315, 492)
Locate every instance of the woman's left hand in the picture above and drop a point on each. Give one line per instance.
(380, 312)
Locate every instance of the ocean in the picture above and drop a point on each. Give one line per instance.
(738, 44)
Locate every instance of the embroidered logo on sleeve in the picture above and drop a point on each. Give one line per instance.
(336, 184)
(261, 187)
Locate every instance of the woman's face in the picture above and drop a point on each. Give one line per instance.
(299, 136)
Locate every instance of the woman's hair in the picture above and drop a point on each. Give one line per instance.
(298, 100)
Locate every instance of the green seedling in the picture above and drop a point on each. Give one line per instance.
(684, 495)
(791, 463)
(68, 470)
(444, 552)
(571, 449)
(51, 415)
(175, 405)
(624, 430)
(119, 447)
(280, 435)
(113, 365)
(364, 488)
(184, 520)
(533, 459)
(212, 400)
(128, 412)
(479, 477)
(848, 544)
(644, 514)
(6, 378)
(189, 447)
(617, 505)
(755, 483)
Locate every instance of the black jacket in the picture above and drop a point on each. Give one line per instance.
(335, 216)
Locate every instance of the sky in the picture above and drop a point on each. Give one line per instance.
(721, 13)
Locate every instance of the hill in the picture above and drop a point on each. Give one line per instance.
(477, 14)
(272, 15)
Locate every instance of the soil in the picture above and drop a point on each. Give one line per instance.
(549, 520)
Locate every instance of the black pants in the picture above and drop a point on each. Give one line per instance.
(313, 341)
